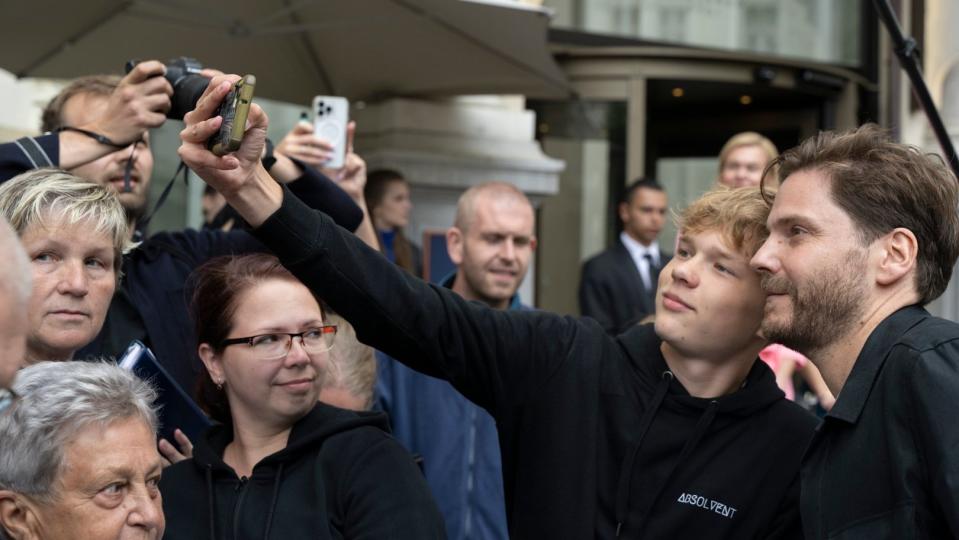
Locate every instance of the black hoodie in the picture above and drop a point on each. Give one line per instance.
(340, 476)
(597, 437)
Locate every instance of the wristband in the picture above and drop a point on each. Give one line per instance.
(268, 158)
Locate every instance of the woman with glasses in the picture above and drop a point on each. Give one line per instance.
(281, 464)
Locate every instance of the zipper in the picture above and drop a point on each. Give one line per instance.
(241, 489)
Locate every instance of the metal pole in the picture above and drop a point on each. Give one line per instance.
(906, 51)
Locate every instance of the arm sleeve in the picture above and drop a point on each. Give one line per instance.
(787, 524)
(321, 193)
(934, 386)
(28, 153)
(384, 495)
(497, 359)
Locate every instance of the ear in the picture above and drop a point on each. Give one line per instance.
(17, 519)
(454, 245)
(623, 212)
(897, 256)
(214, 365)
(532, 243)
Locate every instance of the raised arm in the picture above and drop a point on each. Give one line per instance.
(495, 358)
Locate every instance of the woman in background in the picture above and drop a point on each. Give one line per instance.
(388, 199)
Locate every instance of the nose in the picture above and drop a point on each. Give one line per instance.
(296, 353)
(146, 511)
(508, 250)
(72, 279)
(765, 259)
(684, 270)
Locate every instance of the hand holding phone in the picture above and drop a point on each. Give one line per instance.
(234, 109)
(330, 117)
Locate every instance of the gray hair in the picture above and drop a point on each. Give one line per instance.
(57, 401)
(36, 196)
(15, 273)
(352, 364)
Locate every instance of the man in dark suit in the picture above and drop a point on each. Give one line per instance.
(618, 286)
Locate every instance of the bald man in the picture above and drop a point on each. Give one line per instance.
(491, 244)
(14, 294)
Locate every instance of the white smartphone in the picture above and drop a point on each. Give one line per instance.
(330, 116)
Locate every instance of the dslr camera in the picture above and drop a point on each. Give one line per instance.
(183, 73)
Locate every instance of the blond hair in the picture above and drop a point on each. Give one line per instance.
(739, 215)
(352, 364)
(748, 138)
(36, 196)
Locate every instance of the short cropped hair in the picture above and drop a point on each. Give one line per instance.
(57, 401)
(15, 273)
(39, 195)
(466, 205)
(352, 365)
(640, 183)
(883, 185)
(739, 215)
(97, 85)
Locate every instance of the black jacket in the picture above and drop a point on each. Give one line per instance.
(593, 429)
(612, 291)
(151, 302)
(340, 476)
(885, 462)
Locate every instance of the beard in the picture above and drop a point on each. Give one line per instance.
(823, 311)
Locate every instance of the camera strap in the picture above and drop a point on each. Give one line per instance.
(182, 168)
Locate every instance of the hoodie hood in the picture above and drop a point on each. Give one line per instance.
(308, 433)
(758, 391)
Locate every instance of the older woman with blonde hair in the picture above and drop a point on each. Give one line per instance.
(75, 233)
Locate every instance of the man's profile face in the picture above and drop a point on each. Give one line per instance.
(743, 167)
(494, 252)
(108, 170)
(644, 215)
(813, 264)
(709, 302)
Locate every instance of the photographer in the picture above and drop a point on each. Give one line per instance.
(113, 149)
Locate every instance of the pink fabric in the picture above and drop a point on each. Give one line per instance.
(774, 356)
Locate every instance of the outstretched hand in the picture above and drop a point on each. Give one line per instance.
(352, 176)
(238, 176)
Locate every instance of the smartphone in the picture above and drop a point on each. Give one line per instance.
(330, 116)
(234, 110)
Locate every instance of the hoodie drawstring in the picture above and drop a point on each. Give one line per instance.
(211, 494)
(276, 494)
(625, 474)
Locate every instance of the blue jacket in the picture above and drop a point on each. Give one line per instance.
(457, 440)
(152, 301)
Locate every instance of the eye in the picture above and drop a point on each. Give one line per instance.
(724, 269)
(265, 339)
(683, 253)
(94, 262)
(44, 257)
(796, 230)
(313, 333)
(113, 489)
(153, 484)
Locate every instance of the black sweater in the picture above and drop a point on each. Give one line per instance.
(340, 476)
(596, 434)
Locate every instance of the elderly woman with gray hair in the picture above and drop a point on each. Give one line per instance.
(78, 455)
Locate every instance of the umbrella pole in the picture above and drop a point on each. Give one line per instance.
(906, 50)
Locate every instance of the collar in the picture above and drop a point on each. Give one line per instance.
(514, 302)
(852, 398)
(637, 250)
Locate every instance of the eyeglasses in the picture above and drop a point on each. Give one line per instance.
(316, 340)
